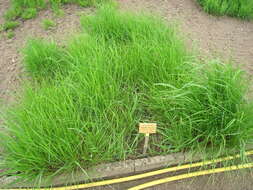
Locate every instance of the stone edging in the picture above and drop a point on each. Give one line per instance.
(113, 170)
(110, 170)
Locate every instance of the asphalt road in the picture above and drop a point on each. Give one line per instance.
(236, 180)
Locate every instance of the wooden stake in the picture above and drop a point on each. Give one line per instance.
(145, 147)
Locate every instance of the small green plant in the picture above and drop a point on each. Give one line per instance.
(235, 8)
(10, 34)
(29, 13)
(48, 24)
(27, 9)
(9, 25)
(13, 13)
(59, 12)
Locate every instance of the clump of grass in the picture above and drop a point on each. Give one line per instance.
(59, 12)
(48, 24)
(25, 9)
(235, 8)
(42, 59)
(208, 112)
(29, 13)
(28, 9)
(10, 34)
(13, 13)
(87, 98)
(65, 141)
(9, 25)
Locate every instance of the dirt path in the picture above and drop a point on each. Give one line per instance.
(221, 36)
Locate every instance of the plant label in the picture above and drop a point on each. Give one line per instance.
(147, 128)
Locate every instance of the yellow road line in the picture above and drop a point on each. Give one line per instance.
(190, 175)
(144, 175)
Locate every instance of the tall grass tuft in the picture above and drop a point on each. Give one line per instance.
(86, 99)
(235, 8)
(43, 60)
(208, 112)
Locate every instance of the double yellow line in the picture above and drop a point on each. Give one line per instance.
(162, 171)
(190, 175)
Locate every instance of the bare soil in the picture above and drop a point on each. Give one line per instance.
(224, 37)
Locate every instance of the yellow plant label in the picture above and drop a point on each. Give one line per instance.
(147, 128)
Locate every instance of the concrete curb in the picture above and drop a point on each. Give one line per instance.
(110, 170)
